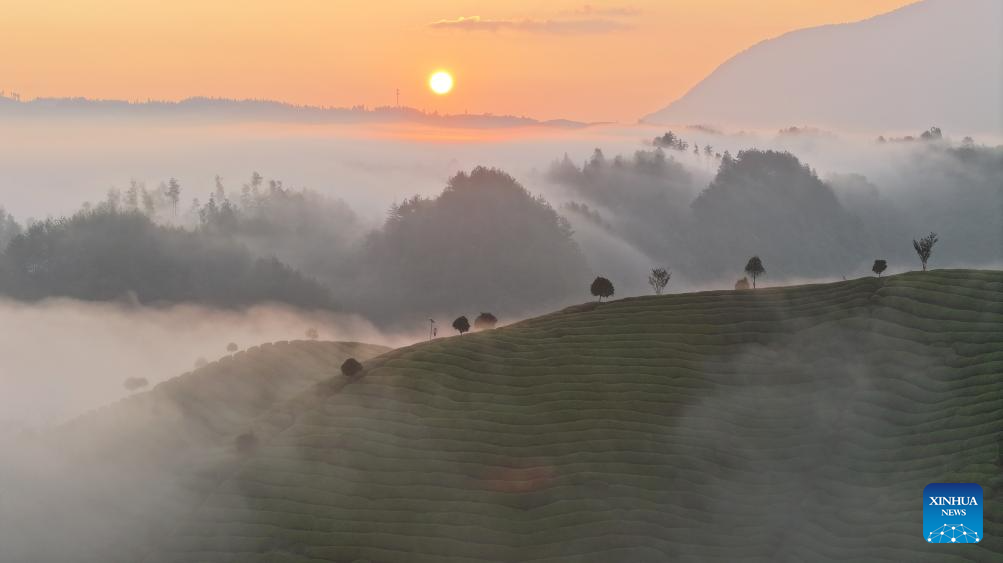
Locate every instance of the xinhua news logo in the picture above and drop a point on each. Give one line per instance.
(952, 513)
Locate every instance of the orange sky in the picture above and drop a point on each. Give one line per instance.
(586, 60)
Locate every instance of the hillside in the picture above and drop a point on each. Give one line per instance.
(106, 483)
(786, 424)
(935, 62)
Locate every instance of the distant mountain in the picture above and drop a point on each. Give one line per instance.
(936, 62)
(217, 109)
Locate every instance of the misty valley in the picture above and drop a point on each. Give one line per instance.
(328, 282)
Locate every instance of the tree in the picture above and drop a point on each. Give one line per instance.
(133, 383)
(754, 267)
(173, 193)
(232, 347)
(879, 266)
(246, 442)
(742, 284)
(658, 279)
(924, 247)
(220, 192)
(461, 324)
(132, 196)
(312, 333)
(602, 287)
(149, 203)
(485, 321)
(351, 368)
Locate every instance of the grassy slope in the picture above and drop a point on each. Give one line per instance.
(788, 424)
(121, 473)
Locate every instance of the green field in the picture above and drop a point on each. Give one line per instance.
(786, 424)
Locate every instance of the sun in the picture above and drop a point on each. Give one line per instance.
(440, 82)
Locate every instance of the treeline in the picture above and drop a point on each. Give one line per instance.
(105, 254)
(484, 243)
(770, 203)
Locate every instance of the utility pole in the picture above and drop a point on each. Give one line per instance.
(431, 327)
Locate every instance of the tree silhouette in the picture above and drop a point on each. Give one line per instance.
(351, 368)
(742, 284)
(173, 193)
(658, 279)
(312, 333)
(485, 321)
(924, 247)
(461, 324)
(879, 266)
(754, 267)
(232, 347)
(602, 287)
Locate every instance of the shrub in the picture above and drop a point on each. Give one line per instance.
(351, 368)
(485, 321)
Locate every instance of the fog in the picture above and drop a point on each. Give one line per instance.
(446, 255)
(368, 166)
(49, 168)
(62, 357)
(895, 191)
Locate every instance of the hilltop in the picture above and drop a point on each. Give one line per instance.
(932, 62)
(785, 424)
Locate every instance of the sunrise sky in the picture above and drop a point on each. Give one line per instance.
(593, 61)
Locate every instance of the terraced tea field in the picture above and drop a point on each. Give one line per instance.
(787, 424)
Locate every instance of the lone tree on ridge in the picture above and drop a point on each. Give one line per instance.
(879, 266)
(658, 279)
(602, 287)
(754, 267)
(924, 247)
(461, 324)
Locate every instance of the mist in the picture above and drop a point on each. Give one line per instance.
(637, 216)
(63, 357)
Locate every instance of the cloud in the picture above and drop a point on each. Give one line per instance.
(549, 26)
(611, 11)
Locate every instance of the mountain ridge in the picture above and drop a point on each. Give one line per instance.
(225, 109)
(925, 63)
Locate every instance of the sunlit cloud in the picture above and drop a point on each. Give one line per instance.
(609, 11)
(548, 26)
